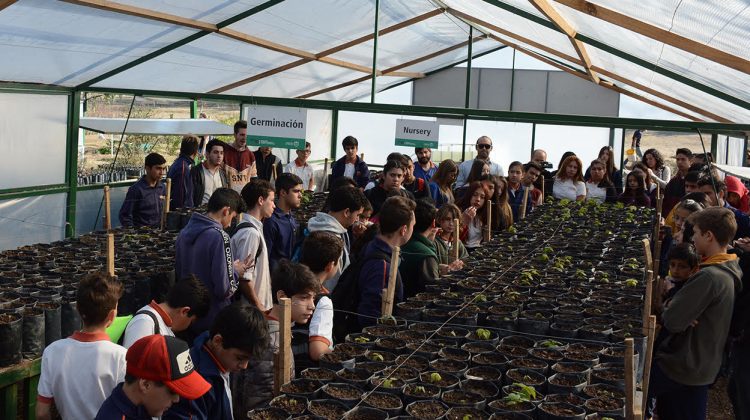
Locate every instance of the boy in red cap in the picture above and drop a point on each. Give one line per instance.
(159, 372)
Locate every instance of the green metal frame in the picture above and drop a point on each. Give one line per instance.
(194, 109)
(373, 89)
(624, 55)
(71, 162)
(334, 132)
(467, 97)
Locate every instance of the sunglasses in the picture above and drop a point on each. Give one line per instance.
(484, 146)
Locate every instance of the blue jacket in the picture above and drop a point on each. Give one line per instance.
(119, 407)
(182, 185)
(373, 279)
(361, 172)
(438, 196)
(143, 204)
(515, 199)
(214, 404)
(280, 232)
(203, 249)
(421, 173)
(743, 222)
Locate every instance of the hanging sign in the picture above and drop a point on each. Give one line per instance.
(417, 133)
(275, 126)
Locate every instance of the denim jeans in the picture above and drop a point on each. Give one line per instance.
(675, 401)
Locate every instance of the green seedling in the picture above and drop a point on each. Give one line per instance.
(631, 282)
(512, 230)
(420, 389)
(387, 383)
(377, 357)
(483, 334)
(527, 378)
(467, 417)
(550, 343)
(435, 377)
(480, 298)
(538, 315)
(361, 340)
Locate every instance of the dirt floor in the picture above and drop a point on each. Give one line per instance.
(719, 406)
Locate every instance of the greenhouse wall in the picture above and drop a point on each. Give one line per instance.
(31, 220)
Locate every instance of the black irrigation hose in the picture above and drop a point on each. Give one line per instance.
(710, 166)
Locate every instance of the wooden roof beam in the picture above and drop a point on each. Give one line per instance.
(6, 3)
(141, 12)
(659, 34)
(558, 20)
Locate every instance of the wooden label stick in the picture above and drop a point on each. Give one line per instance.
(273, 169)
(456, 239)
(324, 182)
(647, 300)
(362, 155)
(651, 334)
(488, 228)
(629, 380)
(387, 306)
(107, 210)
(111, 254)
(165, 207)
(525, 202)
(647, 252)
(283, 359)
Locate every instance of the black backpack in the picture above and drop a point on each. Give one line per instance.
(346, 297)
(144, 312)
(234, 228)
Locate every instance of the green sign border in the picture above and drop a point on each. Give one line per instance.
(429, 144)
(280, 142)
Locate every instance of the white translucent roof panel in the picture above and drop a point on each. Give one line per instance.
(454, 56)
(156, 126)
(202, 10)
(298, 81)
(514, 23)
(315, 26)
(63, 44)
(359, 90)
(719, 23)
(200, 66)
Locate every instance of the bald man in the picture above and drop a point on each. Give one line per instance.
(483, 147)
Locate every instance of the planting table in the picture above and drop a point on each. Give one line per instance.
(23, 376)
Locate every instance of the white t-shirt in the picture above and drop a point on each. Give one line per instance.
(321, 323)
(211, 182)
(475, 234)
(304, 172)
(245, 244)
(349, 170)
(568, 189)
(142, 325)
(594, 192)
(79, 373)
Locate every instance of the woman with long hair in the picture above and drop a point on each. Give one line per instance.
(635, 190)
(607, 156)
(648, 181)
(598, 187)
(474, 216)
(569, 180)
(682, 212)
(657, 171)
(502, 204)
(478, 169)
(445, 237)
(442, 181)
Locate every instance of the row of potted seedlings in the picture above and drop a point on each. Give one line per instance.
(505, 338)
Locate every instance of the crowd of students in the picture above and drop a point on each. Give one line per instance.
(235, 261)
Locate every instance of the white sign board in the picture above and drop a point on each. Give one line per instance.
(275, 126)
(417, 133)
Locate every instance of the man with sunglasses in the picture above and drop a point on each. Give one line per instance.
(483, 146)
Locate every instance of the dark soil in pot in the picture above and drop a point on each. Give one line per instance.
(380, 356)
(347, 394)
(581, 356)
(351, 350)
(416, 362)
(482, 335)
(361, 339)
(611, 376)
(551, 356)
(365, 413)
(560, 411)
(526, 377)
(517, 341)
(612, 354)
(602, 391)
(290, 404)
(484, 373)
(385, 401)
(528, 363)
(486, 389)
(426, 349)
(452, 353)
(390, 344)
(565, 398)
(571, 367)
(564, 383)
(459, 398)
(410, 336)
(443, 380)
(435, 315)
(465, 413)
(52, 321)
(327, 409)
(390, 385)
(597, 416)
(404, 373)
(380, 330)
(318, 374)
(10, 339)
(420, 391)
(335, 361)
(490, 359)
(372, 367)
(357, 377)
(426, 410)
(605, 406)
(454, 334)
(478, 347)
(268, 413)
(551, 344)
(512, 352)
(535, 322)
(300, 387)
(595, 332)
(451, 366)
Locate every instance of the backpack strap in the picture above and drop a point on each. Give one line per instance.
(248, 225)
(153, 318)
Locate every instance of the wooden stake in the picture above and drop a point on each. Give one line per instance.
(488, 228)
(324, 182)
(659, 203)
(283, 358)
(647, 253)
(648, 300)
(362, 156)
(456, 239)
(647, 362)
(629, 380)
(107, 210)
(525, 202)
(386, 308)
(273, 170)
(165, 207)
(111, 254)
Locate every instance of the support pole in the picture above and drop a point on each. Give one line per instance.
(647, 362)
(456, 239)
(525, 202)
(165, 207)
(647, 253)
(324, 182)
(375, 52)
(194, 109)
(622, 151)
(512, 78)
(71, 162)
(283, 358)
(111, 254)
(533, 138)
(647, 300)
(612, 138)
(107, 210)
(362, 156)
(334, 132)
(629, 380)
(467, 97)
(488, 228)
(386, 308)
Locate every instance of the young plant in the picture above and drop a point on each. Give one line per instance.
(361, 340)
(631, 282)
(387, 383)
(435, 377)
(483, 334)
(377, 357)
(550, 343)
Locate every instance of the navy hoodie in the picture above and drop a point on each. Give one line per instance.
(203, 249)
(118, 406)
(182, 184)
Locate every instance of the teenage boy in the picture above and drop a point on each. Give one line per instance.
(717, 198)
(209, 176)
(738, 383)
(516, 190)
(280, 230)
(532, 174)
(346, 204)
(239, 334)
(390, 185)
(159, 373)
(483, 147)
(253, 387)
(424, 168)
(350, 165)
(203, 249)
(301, 168)
(417, 186)
(419, 261)
(675, 188)
(79, 372)
(187, 301)
(697, 322)
(396, 227)
(249, 245)
(691, 186)
(265, 162)
(321, 252)
(179, 173)
(144, 200)
(683, 263)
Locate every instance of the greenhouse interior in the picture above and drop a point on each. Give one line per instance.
(590, 148)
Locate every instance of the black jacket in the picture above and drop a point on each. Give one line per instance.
(199, 182)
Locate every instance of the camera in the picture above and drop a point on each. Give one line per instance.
(546, 165)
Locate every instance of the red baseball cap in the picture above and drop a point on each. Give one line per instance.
(166, 359)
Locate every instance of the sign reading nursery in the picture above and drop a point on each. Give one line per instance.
(275, 126)
(417, 133)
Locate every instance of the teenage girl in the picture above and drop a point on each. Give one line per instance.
(474, 216)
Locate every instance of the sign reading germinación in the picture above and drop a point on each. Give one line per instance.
(417, 133)
(274, 126)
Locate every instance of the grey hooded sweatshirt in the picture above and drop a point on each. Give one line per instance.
(692, 355)
(327, 223)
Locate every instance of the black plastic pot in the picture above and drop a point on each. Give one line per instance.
(484, 373)
(571, 412)
(291, 405)
(32, 343)
(385, 401)
(52, 321)
(70, 320)
(531, 325)
(461, 413)
(486, 389)
(368, 413)
(327, 409)
(268, 413)
(564, 383)
(605, 406)
(305, 388)
(426, 410)
(510, 416)
(10, 339)
(459, 398)
(333, 391)
(417, 391)
(446, 380)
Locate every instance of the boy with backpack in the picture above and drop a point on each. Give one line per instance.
(249, 245)
(697, 322)
(79, 372)
(187, 301)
